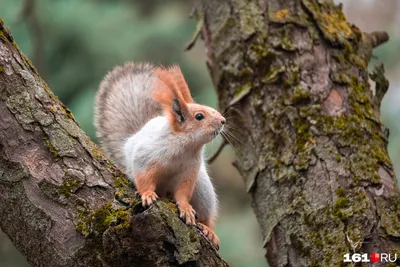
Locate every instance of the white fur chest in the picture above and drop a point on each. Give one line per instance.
(156, 144)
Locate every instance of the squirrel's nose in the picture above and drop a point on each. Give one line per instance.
(223, 120)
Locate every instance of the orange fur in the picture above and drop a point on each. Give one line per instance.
(147, 180)
(207, 225)
(181, 83)
(171, 85)
(146, 183)
(183, 194)
(210, 234)
(210, 222)
(184, 189)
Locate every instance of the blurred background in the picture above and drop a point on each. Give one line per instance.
(73, 43)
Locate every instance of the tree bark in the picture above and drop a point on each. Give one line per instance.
(293, 77)
(62, 202)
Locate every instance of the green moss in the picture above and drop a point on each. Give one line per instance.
(283, 173)
(193, 237)
(339, 122)
(332, 22)
(300, 95)
(68, 187)
(189, 245)
(273, 74)
(291, 76)
(240, 93)
(303, 159)
(5, 33)
(172, 206)
(98, 221)
(342, 202)
(302, 133)
(1, 69)
(120, 182)
(52, 149)
(83, 223)
(341, 78)
(124, 189)
(358, 61)
(96, 151)
(251, 19)
(361, 94)
(355, 129)
(286, 40)
(381, 82)
(340, 192)
(28, 62)
(339, 206)
(67, 112)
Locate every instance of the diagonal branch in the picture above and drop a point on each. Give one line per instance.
(377, 38)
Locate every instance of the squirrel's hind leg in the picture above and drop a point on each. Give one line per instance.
(209, 233)
(205, 204)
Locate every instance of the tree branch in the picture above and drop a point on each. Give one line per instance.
(219, 150)
(377, 38)
(57, 189)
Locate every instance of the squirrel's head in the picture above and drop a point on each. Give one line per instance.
(201, 123)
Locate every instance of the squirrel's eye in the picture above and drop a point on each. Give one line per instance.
(199, 116)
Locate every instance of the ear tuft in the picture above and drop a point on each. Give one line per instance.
(180, 83)
(167, 93)
(177, 110)
(163, 88)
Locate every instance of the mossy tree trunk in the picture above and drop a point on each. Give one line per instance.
(293, 77)
(62, 203)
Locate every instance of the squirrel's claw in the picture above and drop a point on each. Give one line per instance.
(210, 234)
(187, 213)
(148, 198)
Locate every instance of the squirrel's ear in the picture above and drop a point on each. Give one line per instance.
(177, 110)
(180, 82)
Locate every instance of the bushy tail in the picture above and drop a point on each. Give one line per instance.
(123, 105)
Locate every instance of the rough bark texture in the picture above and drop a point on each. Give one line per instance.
(58, 193)
(293, 76)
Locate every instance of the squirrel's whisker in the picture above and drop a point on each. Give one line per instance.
(229, 127)
(230, 142)
(235, 138)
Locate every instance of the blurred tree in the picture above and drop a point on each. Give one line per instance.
(314, 156)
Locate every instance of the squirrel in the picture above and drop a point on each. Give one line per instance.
(149, 125)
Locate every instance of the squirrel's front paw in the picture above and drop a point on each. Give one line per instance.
(210, 234)
(148, 198)
(186, 212)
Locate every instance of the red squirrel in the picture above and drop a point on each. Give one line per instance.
(149, 125)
